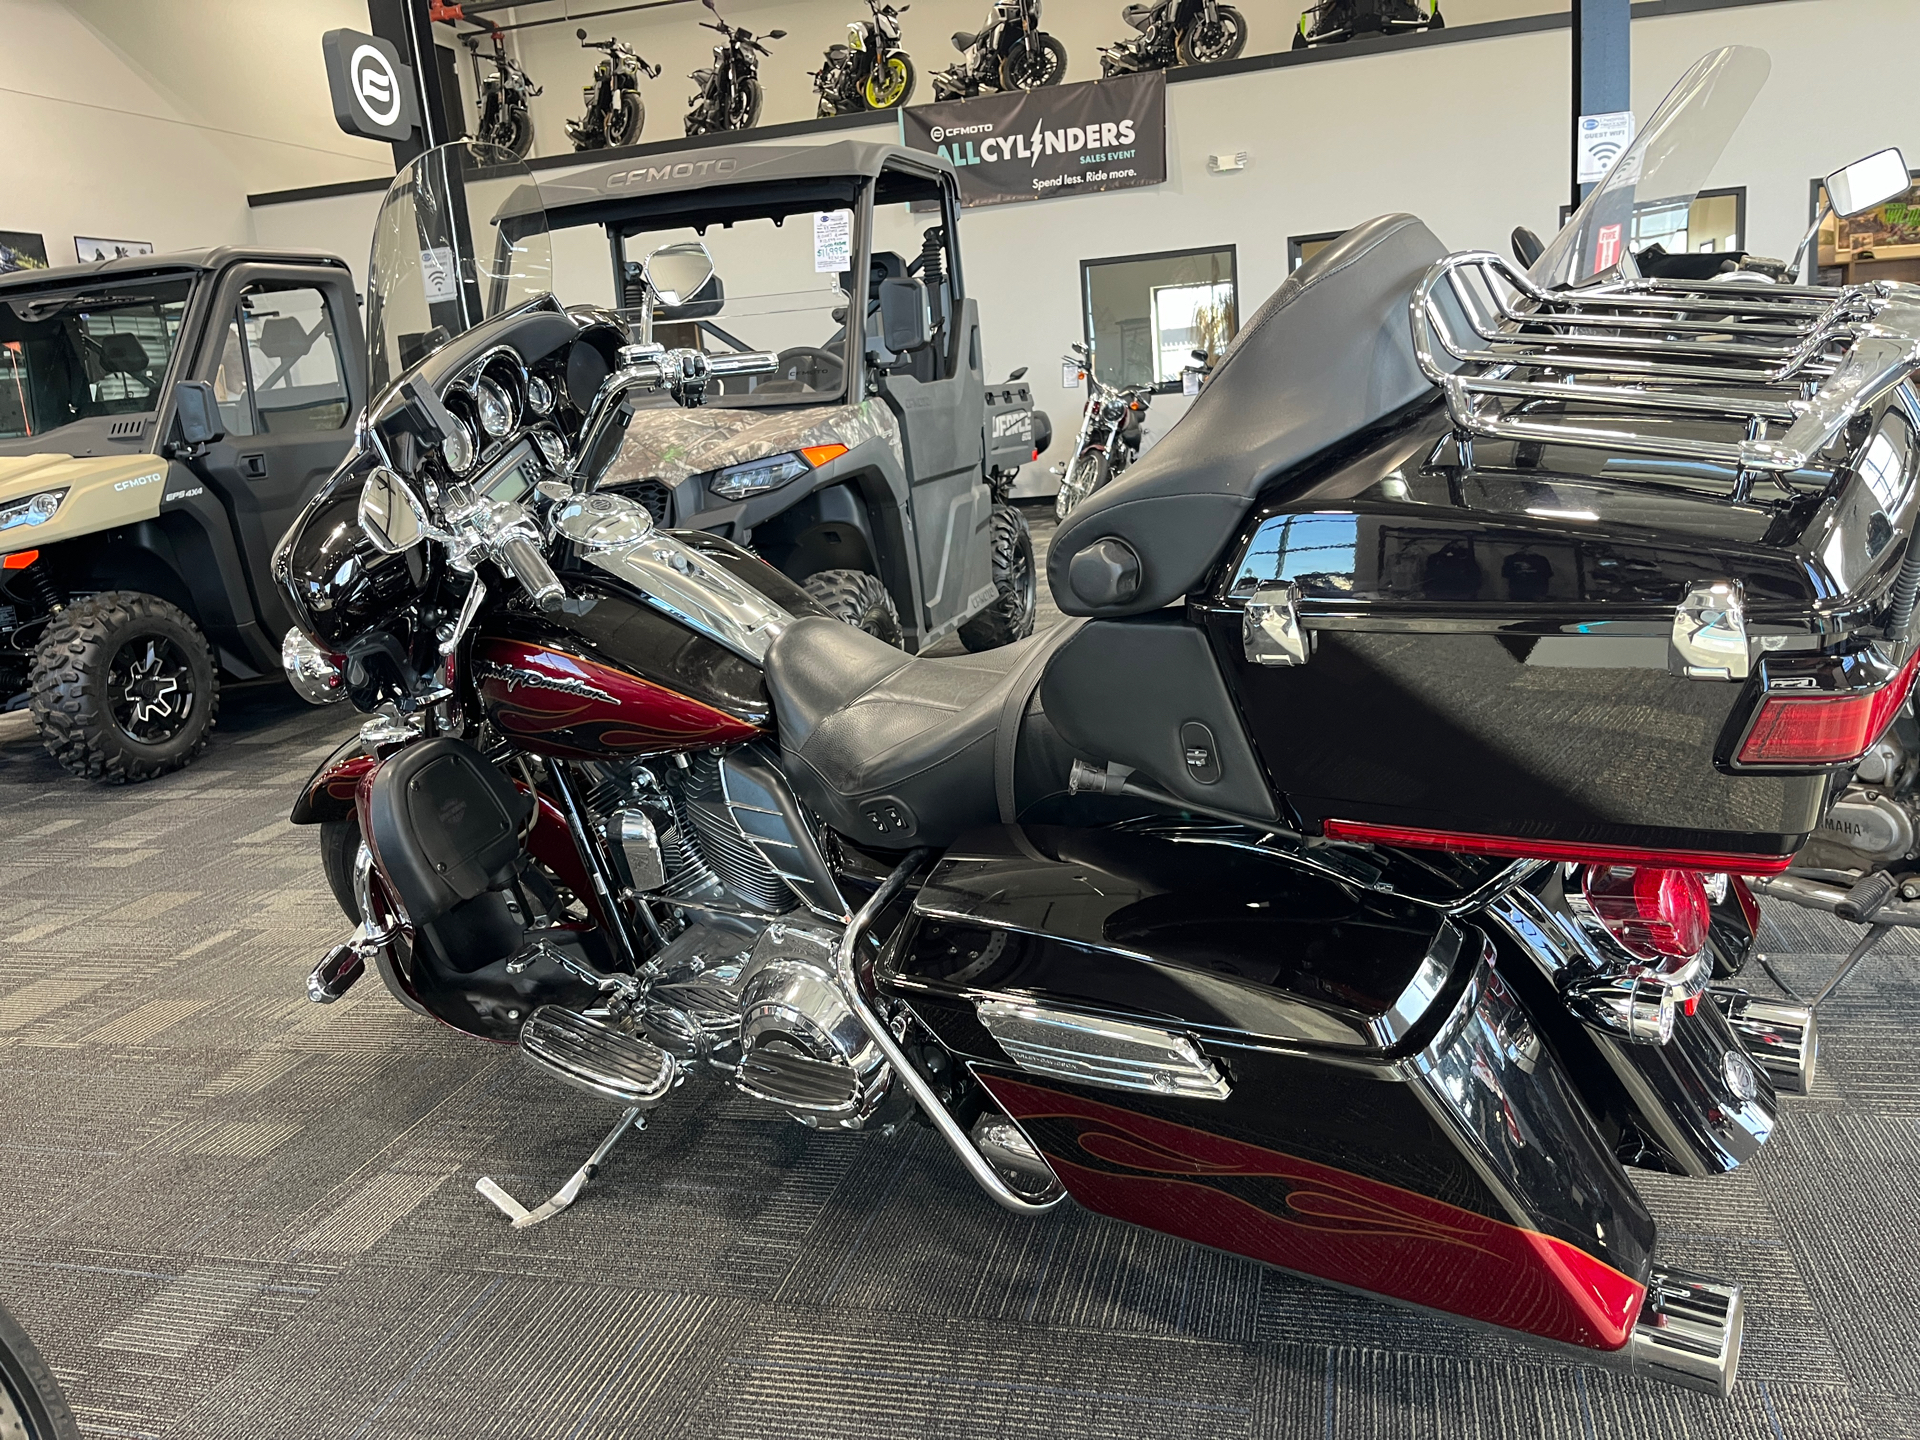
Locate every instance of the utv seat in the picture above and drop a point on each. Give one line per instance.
(1327, 356)
(901, 751)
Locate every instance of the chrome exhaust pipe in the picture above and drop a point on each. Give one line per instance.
(1783, 1039)
(1688, 1333)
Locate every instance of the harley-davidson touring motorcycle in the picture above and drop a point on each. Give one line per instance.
(1111, 423)
(1340, 886)
(872, 71)
(504, 118)
(615, 113)
(1011, 52)
(1175, 32)
(730, 97)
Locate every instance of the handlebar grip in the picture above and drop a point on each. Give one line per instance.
(758, 363)
(531, 569)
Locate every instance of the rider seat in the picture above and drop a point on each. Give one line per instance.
(901, 751)
(1329, 355)
(1138, 16)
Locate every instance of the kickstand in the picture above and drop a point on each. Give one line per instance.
(524, 1218)
(1862, 947)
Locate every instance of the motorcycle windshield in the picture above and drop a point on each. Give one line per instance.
(461, 237)
(1665, 167)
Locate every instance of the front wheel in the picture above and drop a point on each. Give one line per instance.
(889, 83)
(1206, 42)
(628, 119)
(1087, 474)
(520, 134)
(1016, 599)
(860, 600)
(31, 1405)
(1035, 60)
(124, 688)
(744, 112)
(339, 849)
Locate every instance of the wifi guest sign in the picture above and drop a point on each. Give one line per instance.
(372, 91)
(1600, 139)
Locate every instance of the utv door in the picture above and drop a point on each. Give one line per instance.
(939, 397)
(281, 349)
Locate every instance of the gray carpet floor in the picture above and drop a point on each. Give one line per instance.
(226, 1212)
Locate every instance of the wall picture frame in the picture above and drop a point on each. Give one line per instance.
(22, 250)
(89, 250)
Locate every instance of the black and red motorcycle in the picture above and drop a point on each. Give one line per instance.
(1340, 887)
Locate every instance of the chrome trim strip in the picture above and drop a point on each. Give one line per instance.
(1095, 1050)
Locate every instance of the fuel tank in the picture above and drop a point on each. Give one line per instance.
(610, 677)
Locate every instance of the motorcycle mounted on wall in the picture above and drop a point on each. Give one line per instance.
(1335, 21)
(505, 120)
(1011, 52)
(615, 113)
(1322, 917)
(730, 97)
(872, 71)
(1111, 423)
(1175, 32)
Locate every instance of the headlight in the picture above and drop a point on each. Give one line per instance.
(319, 677)
(756, 477)
(496, 408)
(34, 510)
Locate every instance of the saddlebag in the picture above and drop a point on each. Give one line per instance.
(1271, 1061)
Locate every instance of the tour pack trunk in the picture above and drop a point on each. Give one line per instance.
(1560, 652)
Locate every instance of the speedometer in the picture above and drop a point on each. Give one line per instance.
(495, 406)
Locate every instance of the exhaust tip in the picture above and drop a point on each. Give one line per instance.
(1688, 1333)
(1782, 1039)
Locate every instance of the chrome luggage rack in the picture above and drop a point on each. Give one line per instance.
(1757, 356)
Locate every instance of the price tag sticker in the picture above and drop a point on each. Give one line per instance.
(832, 241)
(1069, 377)
(438, 275)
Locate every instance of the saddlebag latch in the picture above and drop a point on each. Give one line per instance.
(1270, 631)
(1710, 633)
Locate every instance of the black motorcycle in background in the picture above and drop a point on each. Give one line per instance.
(872, 71)
(31, 1405)
(730, 97)
(1334, 21)
(1011, 53)
(504, 118)
(615, 112)
(1175, 32)
(1109, 440)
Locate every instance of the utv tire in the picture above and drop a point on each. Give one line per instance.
(1016, 599)
(859, 599)
(124, 688)
(1226, 42)
(29, 1395)
(339, 848)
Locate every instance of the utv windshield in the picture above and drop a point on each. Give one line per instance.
(768, 293)
(1668, 164)
(73, 354)
(461, 237)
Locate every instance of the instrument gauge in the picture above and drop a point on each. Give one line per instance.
(495, 407)
(457, 449)
(539, 395)
(553, 447)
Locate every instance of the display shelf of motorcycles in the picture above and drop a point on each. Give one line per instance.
(1359, 915)
(872, 71)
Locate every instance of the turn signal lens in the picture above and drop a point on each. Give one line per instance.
(19, 560)
(1825, 729)
(1653, 913)
(818, 455)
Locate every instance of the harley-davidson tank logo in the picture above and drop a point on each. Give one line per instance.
(567, 704)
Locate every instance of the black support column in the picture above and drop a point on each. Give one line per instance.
(404, 25)
(1602, 68)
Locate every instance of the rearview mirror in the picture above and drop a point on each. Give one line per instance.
(580, 34)
(676, 273)
(1861, 186)
(391, 515)
(903, 314)
(199, 416)
(1019, 374)
(776, 34)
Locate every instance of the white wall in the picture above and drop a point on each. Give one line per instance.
(1471, 137)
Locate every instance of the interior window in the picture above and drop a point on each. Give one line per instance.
(293, 361)
(1302, 248)
(912, 239)
(230, 385)
(1147, 314)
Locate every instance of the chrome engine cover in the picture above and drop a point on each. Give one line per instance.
(802, 1047)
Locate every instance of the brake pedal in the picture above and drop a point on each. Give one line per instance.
(597, 1058)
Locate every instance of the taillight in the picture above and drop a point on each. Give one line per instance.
(1825, 729)
(1654, 914)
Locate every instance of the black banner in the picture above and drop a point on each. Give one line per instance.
(1058, 140)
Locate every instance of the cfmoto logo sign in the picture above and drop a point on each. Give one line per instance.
(375, 85)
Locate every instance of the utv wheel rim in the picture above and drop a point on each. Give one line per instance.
(885, 89)
(150, 690)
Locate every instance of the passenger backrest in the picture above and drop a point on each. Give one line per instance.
(1330, 353)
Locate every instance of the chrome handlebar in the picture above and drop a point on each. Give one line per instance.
(685, 374)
